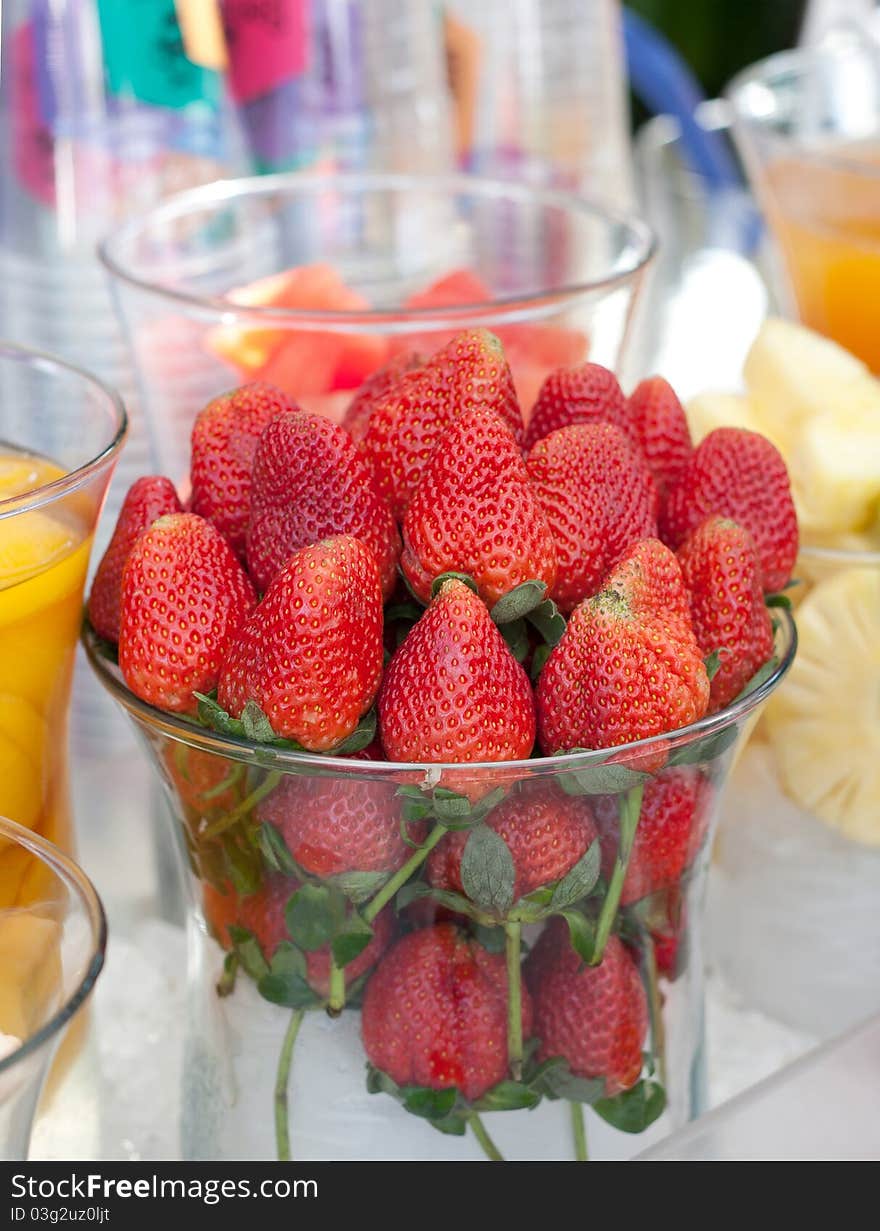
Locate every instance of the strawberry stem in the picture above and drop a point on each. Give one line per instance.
(282, 1114)
(266, 787)
(629, 807)
(490, 1148)
(402, 875)
(336, 1000)
(513, 937)
(226, 982)
(655, 1008)
(579, 1132)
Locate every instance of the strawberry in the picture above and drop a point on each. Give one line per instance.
(588, 393)
(661, 429)
(627, 667)
(435, 1013)
(146, 500)
(721, 569)
(262, 913)
(663, 843)
(311, 654)
(598, 497)
(406, 425)
(738, 474)
(453, 691)
(360, 408)
(310, 482)
(475, 512)
(594, 1017)
(184, 599)
(546, 831)
(341, 824)
(224, 441)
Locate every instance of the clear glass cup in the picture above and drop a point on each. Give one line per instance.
(61, 430)
(52, 939)
(807, 123)
(796, 868)
(553, 275)
(268, 1073)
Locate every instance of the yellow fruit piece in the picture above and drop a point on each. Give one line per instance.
(792, 374)
(835, 468)
(824, 722)
(707, 411)
(30, 971)
(30, 542)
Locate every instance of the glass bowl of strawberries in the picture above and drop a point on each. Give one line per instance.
(443, 714)
(320, 283)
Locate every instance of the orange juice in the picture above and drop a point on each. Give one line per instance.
(824, 210)
(44, 554)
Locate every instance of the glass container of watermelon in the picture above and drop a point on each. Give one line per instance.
(316, 283)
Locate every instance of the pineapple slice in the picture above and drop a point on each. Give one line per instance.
(707, 411)
(824, 722)
(835, 469)
(793, 374)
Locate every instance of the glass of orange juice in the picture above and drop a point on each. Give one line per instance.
(807, 124)
(60, 433)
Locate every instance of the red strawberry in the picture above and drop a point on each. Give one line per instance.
(588, 393)
(546, 831)
(594, 1017)
(661, 430)
(738, 474)
(184, 599)
(663, 844)
(146, 500)
(435, 1013)
(311, 654)
(224, 441)
(649, 576)
(721, 569)
(375, 387)
(262, 913)
(406, 425)
(341, 824)
(453, 691)
(475, 512)
(310, 482)
(625, 668)
(598, 497)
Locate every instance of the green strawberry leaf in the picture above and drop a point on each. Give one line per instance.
(709, 748)
(761, 675)
(634, 1110)
(608, 778)
(450, 805)
(314, 915)
(580, 880)
(286, 983)
(213, 715)
(256, 725)
(518, 602)
(539, 661)
(549, 621)
(351, 941)
(275, 850)
(465, 577)
(452, 809)
(242, 868)
(358, 887)
(777, 600)
(517, 639)
(487, 871)
(508, 1096)
(555, 1079)
(444, 1109)
(248, 951)
(581, 934)
(361, 737)
(713, 662)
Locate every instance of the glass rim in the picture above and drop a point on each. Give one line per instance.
(74, 479)
(796, 61)
(74, 878)
(195, 736)
(501, 308)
